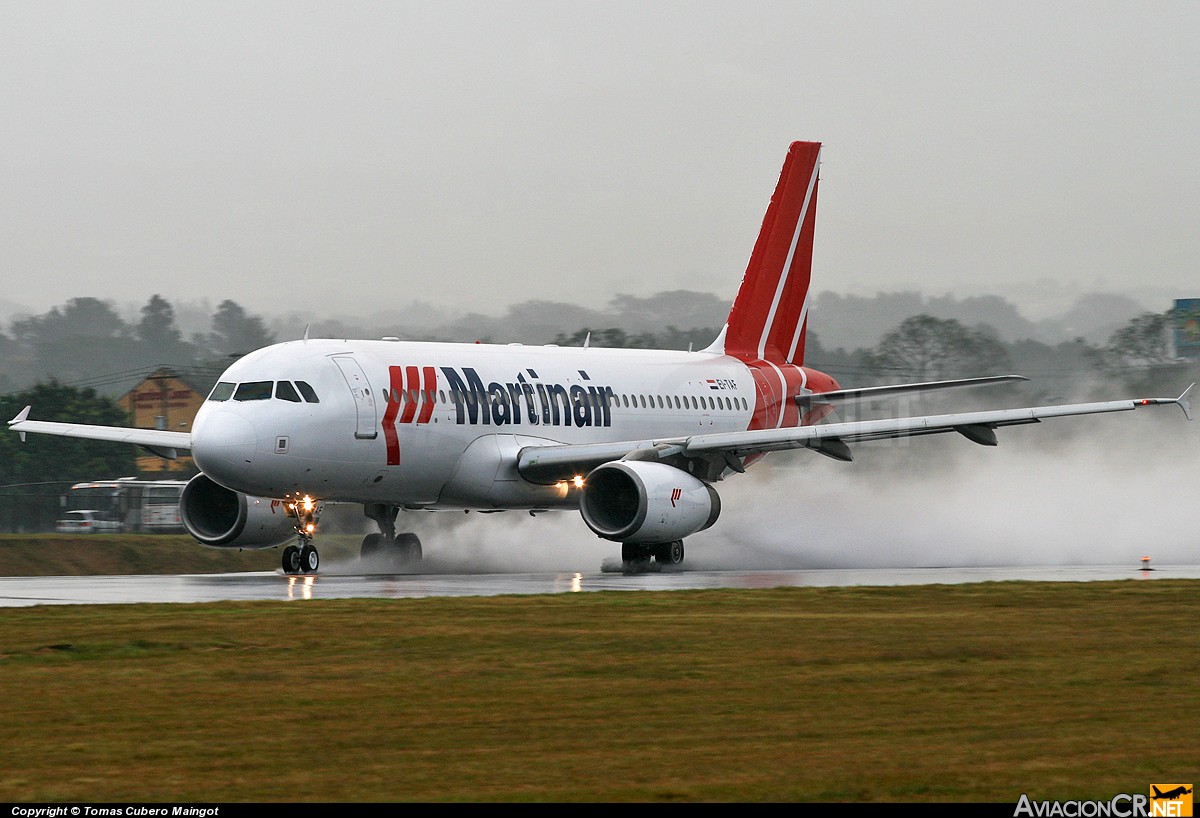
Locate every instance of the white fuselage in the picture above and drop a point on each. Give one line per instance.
(439, 425)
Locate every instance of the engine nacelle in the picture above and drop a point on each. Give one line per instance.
(216, 516)
(633, 501)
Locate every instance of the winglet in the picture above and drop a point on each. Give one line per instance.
(1185, 403)
(22, 415)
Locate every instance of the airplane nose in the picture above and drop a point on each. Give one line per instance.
(224, 443)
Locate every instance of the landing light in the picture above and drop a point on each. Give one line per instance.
(578, 481)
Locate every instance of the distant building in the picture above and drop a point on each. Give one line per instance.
(167, 401)
(1187, 327)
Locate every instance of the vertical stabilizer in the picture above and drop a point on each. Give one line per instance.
(770, 313)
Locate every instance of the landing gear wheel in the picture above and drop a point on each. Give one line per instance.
(372, 544)
(635, 556)
(670, 553)
(310, 560)
(291, 560)
(408, 546)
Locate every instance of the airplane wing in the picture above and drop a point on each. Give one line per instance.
(161, 443)
(561, 462)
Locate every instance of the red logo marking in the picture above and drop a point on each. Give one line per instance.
(421, 383)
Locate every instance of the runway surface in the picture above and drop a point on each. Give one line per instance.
(93, 590)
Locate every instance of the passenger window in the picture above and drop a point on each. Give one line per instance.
(254, 390)
(285, 391)
(307, 391)
(222, 391)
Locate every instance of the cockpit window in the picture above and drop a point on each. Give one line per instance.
(285, 391)
(254, 390)
(221, 391)
(307, 392)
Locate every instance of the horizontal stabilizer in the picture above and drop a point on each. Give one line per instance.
(868, 393)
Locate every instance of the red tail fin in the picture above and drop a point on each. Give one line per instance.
(770, 314)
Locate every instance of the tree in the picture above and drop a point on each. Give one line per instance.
(89, 317)
(235, 332)
(924, 348)
(1143, 341)
(157, 326)
(35, 473)
(1140, 354)
(160, 338)
(83, 341)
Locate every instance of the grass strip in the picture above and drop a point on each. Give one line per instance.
(935, 693)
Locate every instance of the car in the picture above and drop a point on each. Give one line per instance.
(87, 521)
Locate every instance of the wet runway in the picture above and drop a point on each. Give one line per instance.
(92, 590)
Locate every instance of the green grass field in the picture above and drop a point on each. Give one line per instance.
(56, 555)
(938, 693)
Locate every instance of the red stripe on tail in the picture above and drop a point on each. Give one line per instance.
(769, 315)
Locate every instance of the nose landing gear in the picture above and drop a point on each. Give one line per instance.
(303, 558)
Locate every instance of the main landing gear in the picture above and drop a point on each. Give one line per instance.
(636, 557)
(303, 558)
(387, 548)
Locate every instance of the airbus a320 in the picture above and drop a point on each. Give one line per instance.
(635, 440)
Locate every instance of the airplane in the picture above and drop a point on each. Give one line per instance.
(1170, 795)
(634, 439)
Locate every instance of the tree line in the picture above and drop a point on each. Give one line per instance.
(1137, 356)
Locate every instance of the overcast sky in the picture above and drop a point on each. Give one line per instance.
(344, 157)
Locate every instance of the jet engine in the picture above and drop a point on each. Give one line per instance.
(216, 516)
(634, 501)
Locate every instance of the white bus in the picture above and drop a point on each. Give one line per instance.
(141, 506)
